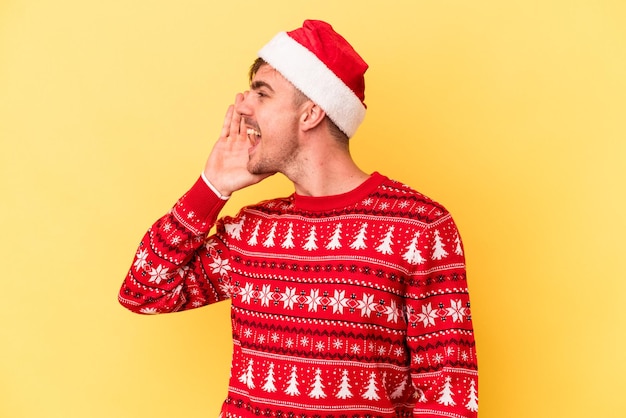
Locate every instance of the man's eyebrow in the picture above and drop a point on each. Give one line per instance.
(257, 84)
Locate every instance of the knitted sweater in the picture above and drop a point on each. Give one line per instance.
(353, 305)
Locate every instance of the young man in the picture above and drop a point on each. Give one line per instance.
(349, 297)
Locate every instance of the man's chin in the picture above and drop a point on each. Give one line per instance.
(260, 170)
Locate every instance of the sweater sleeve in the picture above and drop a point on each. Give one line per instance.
(440, 334)
(177, 266)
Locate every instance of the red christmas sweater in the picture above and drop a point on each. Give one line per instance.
(353, 305)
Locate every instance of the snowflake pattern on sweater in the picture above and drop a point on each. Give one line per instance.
(353, 305)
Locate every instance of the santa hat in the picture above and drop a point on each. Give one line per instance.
(323, 65)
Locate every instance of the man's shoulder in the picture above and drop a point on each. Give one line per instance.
(403, 200)
(274, 205)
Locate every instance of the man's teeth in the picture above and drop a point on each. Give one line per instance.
(254, 132)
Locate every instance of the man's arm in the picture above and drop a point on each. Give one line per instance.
(440, 331)
(176, 266)
(172, 268)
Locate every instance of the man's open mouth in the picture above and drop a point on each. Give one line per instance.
(253, 135)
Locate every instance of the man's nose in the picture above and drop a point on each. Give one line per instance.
(242, 106)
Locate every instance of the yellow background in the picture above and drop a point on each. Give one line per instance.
(512, 114)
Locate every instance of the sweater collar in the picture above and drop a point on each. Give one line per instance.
(339, 201)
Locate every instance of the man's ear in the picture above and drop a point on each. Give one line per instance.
(312, 115)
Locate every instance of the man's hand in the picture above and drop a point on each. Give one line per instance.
(226, 166)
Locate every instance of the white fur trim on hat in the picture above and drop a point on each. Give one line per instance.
(313, 78)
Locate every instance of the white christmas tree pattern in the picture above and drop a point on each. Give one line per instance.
(334, 242)
(446, 393)
(438, 249)
(344, 387)
(458, 249)
(254, 237)
(269, 241)
(472, 402)
(385, 244)
(310, 244)
(359, 240)
(247, 377)
(234, 229)
(270, 380)
(372, 390)
(317, 388)
(292, 384)
(399, 389)
(288, 241)
(413, 255)
(421, 397)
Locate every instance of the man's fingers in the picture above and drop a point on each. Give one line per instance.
(236, 121)
(227, 122)
(243, 129)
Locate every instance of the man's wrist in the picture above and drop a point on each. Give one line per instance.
(213, 188)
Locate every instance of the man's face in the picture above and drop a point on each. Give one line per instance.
(271, 114)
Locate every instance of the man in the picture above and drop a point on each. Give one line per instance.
(349, 297)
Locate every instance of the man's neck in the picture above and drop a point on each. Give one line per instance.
(328, 177)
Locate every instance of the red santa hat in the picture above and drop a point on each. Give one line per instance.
(323, 65)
